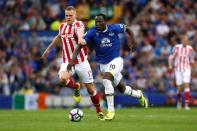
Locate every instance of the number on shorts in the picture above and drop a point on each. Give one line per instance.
(89, 73)
(112, 66)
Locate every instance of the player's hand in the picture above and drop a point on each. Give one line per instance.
(170, 69)
(69, 66)
(134, 47)
(81, 41)
(45, 54)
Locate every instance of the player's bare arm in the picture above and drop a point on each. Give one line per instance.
(170, 59)
(55, 41)
(80, 34)
(193, 63)
(131, 40)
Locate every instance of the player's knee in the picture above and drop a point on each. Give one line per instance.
(121, 90)
(90, 88)
(64, 77)
(120, 86)
(108, 75)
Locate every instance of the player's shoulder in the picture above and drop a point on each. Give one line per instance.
(78, 23)
(190, 47)
(116, 26)
(62, 24)
(178, 46)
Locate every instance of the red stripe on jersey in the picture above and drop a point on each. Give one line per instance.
(66, 47)
(85, 50)
(82, 57)
(184, 59)
(76, 41)
(69, 39)
(178, 58)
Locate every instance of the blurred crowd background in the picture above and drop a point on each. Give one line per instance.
(157, 26)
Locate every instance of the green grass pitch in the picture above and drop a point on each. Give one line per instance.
(127, 119)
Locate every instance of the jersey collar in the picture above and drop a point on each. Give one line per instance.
(72, 23)
(105, 29)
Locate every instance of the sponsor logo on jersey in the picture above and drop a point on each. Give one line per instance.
(105, 42)
(121, 25)
(67, 35)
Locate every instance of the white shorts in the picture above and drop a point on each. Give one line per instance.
(182, 77)
(83, 70)
(114, 67)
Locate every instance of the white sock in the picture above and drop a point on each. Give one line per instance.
(109, 92)
(127, 90)
(133, 93)
(110, 103)
(136, 94)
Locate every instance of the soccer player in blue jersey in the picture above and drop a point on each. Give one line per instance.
(105, 41)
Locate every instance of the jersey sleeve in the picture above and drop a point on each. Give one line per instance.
(120, 28)
(78, 25)
(174, 50)
(60, 28)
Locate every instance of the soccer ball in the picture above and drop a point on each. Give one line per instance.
(75, 115)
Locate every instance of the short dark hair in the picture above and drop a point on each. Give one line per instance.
(70, 8)
(101, 14)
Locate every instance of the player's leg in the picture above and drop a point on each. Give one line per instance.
(179, 96)
(179, 82)
(109, 93)
(95, 97)
(186, 95)
(127, 90)
(110, 70)
(186, 80)
(66, 79)
(84, 72)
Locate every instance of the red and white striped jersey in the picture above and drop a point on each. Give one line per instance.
(69, 39)
(183, 57)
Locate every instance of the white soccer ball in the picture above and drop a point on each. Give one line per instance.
(75, 115)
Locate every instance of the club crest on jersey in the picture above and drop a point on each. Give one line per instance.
(106, 42)
(111, 33)
(121, 25)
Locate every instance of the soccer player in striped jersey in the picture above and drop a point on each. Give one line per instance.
(182, 60)
(70, 33)
(105, 41)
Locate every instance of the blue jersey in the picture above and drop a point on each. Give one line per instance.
(106, 43)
